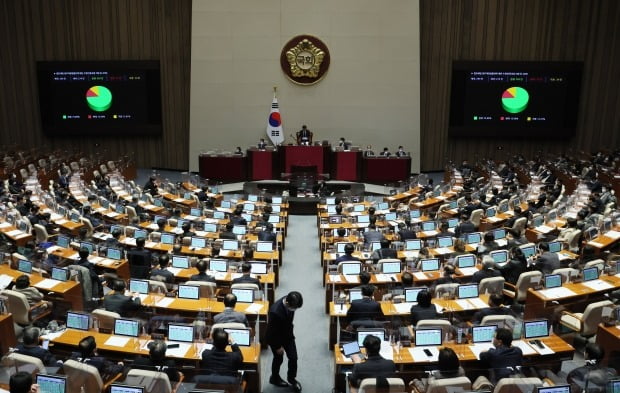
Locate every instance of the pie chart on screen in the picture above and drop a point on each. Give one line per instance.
(99, 98)
(515, 99)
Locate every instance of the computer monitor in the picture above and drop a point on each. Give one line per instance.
(355, 294)
(337, 219)
(467, 291)
(225, 204)
(415, 213)
(139, 286)
(483, 334)
(331, 209)
(490, 212)
(52, 383)
(24, 266)
(75, 217)
(453, 205)
(363, 219)
(528, 250)
(60, 274)
(218, 215)
(243, 295)
(383, 206)
(181, 332)
(246, 216)
(126, 327)
(114, 253)
(140, 233)
(79, 321)
(499, 256)
(552, 215)
(239, 229)
(363, 332)
(465, 260)
(474, 238)
(119, 388)
(273, 219)
(429, 226)
(590, 273)
(374, 246)
(613, 386)
(249, 207)
(239, 336)
(262, 246)
(253, 198)
(258, 267)
(330, 200)
(210, 227)
(427, 337)
(430, 264)
(189, 292)
(499, 234)
(157, 218)
(553, 281)
(340, 247)
(230, 245)
(180, 223)
(350, 348)
(445, 241)
(198, 242)
(158, 202)
(453, 222)
(63, 241)
(413, 244)
(276, 200)
(167, 238)
(503, 207)
(120, 209)
(538, 221)
(390, 216)
(88, 245)
(411, 294)
(180, 261)
(196, 212)
(554, 389)
(353, 268)
(218, 265)
(390, 267)
(535, 329)
(359, 208)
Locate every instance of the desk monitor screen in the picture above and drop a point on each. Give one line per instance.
(181, 332)
(75, 217)
(590, 273)
(89, 246)
(390, 216)
(499, 256)
(474, 238)
(180, 261)
(139, 286)
(466, 260)
(198, 242)
(225, 204)
(355, 294)
(613, 386)
(351, 348)
(351, 268)
(490, 212)
(24, 266)
(277, 200)
(415, 214)
(429, 225)
(391, 267)
(554, 389)
(553, 281)
(429, 265)
(335, 219)
(117, 227)
(535, 329)
(607, 225)
(78, 321)
(444, 241)
(218, 215)
(331, 209)
(180, 223)
(104, 203)
(114, 253)
(218, 265)
(240, 337)
(528, 250)
(363, 219)
(157, 218)
(426, 337)
(362, 333)
(158, 202)
(230, 245)
(61, 211)
(411, 294)
(243, 295)
(247, 217)
(138, 233)
(329, 200)
(126, 327)
(60, 274)
(258, 268)
(273, 219)
(413, 245)
(555, 246)
(503, 207)
(340, 247)
(239, 230)
(120, 209)
(253, 198)
(499, 234)
(210, 227)
(468, 291)
(189, 292)
(538, 221)
(118, 388)
(453, 205)
(359, 208)
(249, 207)
(383, 206)
(453, 223)
(167, 238)
(52, 383)
(483, 334)
(374, 246)
(262, 246)
(63, 241)
(196, 212)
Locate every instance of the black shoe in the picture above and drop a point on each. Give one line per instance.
(277, 381)
(295, 385)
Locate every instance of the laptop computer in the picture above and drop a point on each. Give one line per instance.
(411, 294)
(180, 332)
(413, 245)
(351, 268)
(465, 261)
(63, 241)
(167, 238)
(499, 234)
(60, 274)
(390, 267)
(529, 250)
(444, 241)
(239, 230)
(258, 267)
(473, 238)
(590, 273)
(350, 348)
(210, 227)
(355, 294)
(230, 245)
(555, 246)
(52, 383)
(429, 226)
(198, 242)
(500, 257)
(555, 389)
(415, 213)
(535, 329)
(553, 281)
(218, 265)
(253, 198)
(114, 253)
(138, 233)
(139, 286)
(196, 212)
(24, 266)
(262, 246)
(273, 218)
(78, 321)
(336, 219)
(88, 245)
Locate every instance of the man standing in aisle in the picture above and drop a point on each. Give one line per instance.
(281, 339)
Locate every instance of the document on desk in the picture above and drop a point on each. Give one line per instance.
(352, 278)
(14, 232)
(403, 308)
(468, 271)
(179, 352)
(174, 270)
(545, 350)
(598, 285)
(442, 250)
(5, 280)
(334, 278)
(429, 233)
(418, 355)
(95, 259)
(464, 304)
(479, 348)
(220, 275)
(612, 234)
(5, 225)
(165, 302)
(236, 275)
(116, 341)
(47, 283)
(130, 241)
(341, 309)
(556, 293)
(106, 262)
(386, 351)
(525, 347)
(382, 277)
(152, 226)
(177, 231)
(494, 219)
(420, 275)
(61, 221)
(596, 244)
(544, 229)
(411, 254)
(478, 303)
(254, 308)
(190, 217)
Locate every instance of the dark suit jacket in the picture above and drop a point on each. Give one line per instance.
(246, 280)
(267, 237)
(418, 313)
(478, 316)
(406, 234)
(100, 363)
(117, 302)
(484, 273)
(280, 325)
(215, 361)
(202, 277)
(168, 366)
(374, 366)
(167, 275)
(230, 315)
(384, 253)
(228, 235)
(139, 263)
(501, 358)
(465, 227)
(46, 356)
(364, 308)
(512, 270)
(372, 236)
(547, 262)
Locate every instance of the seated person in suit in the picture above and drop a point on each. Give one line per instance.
(139, 260)
(364, 279)
(187, 232)
(515, 266)
(261, 145)
(157, 361)
(228, 233)
(21, 382)
(366, 308)
(267, 234)
(236, 218)
(372, 235)
(229, 314)
(202, 272)
(592, 377)
(449, 271)
(448, 365)
(424, 309)
(385, 152)
(368, 152)
(304, 136)
(161, 274)
(487, 271)
(246, 277)
(495, 308)
(488, 244)
(405, 233)
(116, 301)
(95, 280)
(466, 226)
(374, 366)
(348, 254)
(220, 366)
(504, 357)
(444, 229)
(88, 354)
(547, 261)
(114, 240)
(30, 347)
(384, 252)
(401, 152)
(22, 285)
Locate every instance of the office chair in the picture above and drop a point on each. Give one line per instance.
(382, 385)
(153, 381)
(15, 362)
(106, 318)
(83, 375)
(23, 313)
(207, 289)
(448, 290)
(447, 385)
(517, 385)
(491, 285)
(567, 273)
(527, 280)
(585, 323)
(476, 215)
(505, 321)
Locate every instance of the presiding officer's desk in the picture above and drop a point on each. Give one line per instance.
(412, 363)
(120, 347)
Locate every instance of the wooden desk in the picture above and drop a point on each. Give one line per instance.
(305, 156)
(263, 164)
(226, 168)
(71, 291)
(120, 267)
(346, 165)
(403, 197)
(382, 169)
(608, 337)
(7, 334)
(15, 235)
(604, 241)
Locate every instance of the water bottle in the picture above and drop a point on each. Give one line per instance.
(96, 324)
